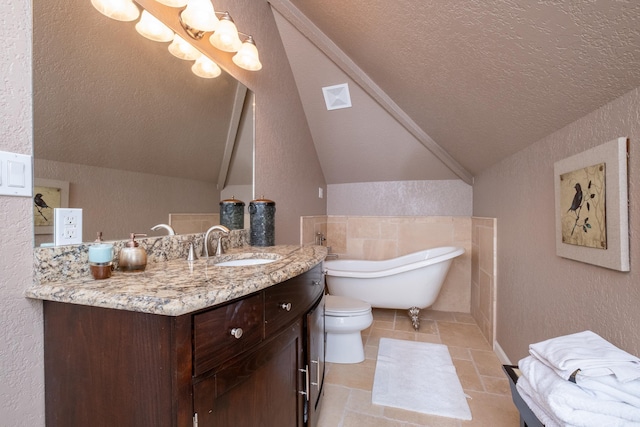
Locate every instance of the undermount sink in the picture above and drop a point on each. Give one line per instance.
(243, 259)
(244, 262)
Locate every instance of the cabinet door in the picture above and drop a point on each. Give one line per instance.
(259, 389)
(315, 349)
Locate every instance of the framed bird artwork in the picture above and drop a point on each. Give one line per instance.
(591, 209)
(47, 195)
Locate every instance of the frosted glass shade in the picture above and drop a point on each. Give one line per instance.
(247, 56)
(150, 27)
(204, 67)
(200, 15)
(174, 3)
(180, 48)
(120, 10)
(225, 36)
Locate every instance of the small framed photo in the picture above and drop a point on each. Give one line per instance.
(47, 195)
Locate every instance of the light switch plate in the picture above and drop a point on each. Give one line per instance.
(16, 174)
(67, 226)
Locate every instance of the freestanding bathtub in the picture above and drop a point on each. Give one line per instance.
(410, 282)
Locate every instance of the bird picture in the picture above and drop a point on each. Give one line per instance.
(577, 199)
(40, 204)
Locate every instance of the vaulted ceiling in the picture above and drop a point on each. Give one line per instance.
(444, 89)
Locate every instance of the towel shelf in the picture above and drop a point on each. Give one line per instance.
(527, 417)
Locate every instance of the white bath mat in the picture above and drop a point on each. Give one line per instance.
(418, 377)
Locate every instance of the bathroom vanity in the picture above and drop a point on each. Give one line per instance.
(251, 359)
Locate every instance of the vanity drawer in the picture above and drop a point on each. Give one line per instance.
(288, 300)
(223, 332)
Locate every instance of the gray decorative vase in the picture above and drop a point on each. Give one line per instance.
(262, 214)
(232, 213)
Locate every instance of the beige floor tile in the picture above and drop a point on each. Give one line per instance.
(357, 375)
(333, 405)
(355, 419)
(360, 401)
(437, 315)
(462, 335)
(347, 400)
(489, 410)
(487, 363)
(420, 419)
(468, 375)
(496, 385)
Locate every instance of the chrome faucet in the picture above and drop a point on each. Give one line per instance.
(219, 251)
(169, 229)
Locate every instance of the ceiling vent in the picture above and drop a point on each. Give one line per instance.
(337, 96)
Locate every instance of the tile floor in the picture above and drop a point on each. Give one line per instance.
(347, 398)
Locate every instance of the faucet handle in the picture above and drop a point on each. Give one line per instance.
(192, 253)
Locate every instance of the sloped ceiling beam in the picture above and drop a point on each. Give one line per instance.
(335, 54)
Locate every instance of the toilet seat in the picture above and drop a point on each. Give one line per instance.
(345, 307)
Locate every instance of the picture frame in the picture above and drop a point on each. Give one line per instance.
(52, 194)
(591, 206)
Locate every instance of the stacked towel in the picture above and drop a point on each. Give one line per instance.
(606, 391)
(590, 353)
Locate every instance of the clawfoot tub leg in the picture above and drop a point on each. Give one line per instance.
(415, 320)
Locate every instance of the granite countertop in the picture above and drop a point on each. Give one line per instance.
(178, 287)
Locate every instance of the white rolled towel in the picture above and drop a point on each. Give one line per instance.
(590, 353)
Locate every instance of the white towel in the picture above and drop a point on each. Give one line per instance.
(570, 403)
(590, 353)
(536, 403)
(608, 385)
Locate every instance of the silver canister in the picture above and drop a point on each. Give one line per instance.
(232, 213)
(262, 213)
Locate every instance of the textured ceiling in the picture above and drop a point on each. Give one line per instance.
(484, 78)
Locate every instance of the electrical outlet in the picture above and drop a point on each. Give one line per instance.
(67, 226)
(320, 192)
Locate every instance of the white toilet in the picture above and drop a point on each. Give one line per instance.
(344, 319)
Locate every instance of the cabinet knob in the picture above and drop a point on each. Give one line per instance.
(236, 333)
(286, 306)
(316, 283)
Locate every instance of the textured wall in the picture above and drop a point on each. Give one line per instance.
(21, 361)
(541, 295)
(421, 198)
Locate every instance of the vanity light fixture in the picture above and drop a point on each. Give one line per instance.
(120, 10)
(198, 18)
(152, 28)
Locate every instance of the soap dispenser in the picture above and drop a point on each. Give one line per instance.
(133, 257)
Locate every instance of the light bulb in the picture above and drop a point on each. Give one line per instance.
(247, 56)
(225, 36)
(120, 10)
(150, 27)
(200, 15)
(183, 50)
(204, 67)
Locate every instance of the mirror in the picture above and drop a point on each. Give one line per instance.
(131, 130)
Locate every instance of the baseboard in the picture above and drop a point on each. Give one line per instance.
(501, 354)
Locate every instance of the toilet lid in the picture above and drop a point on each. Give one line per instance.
(344, 306)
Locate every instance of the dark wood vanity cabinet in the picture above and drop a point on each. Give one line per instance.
(255, 361)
